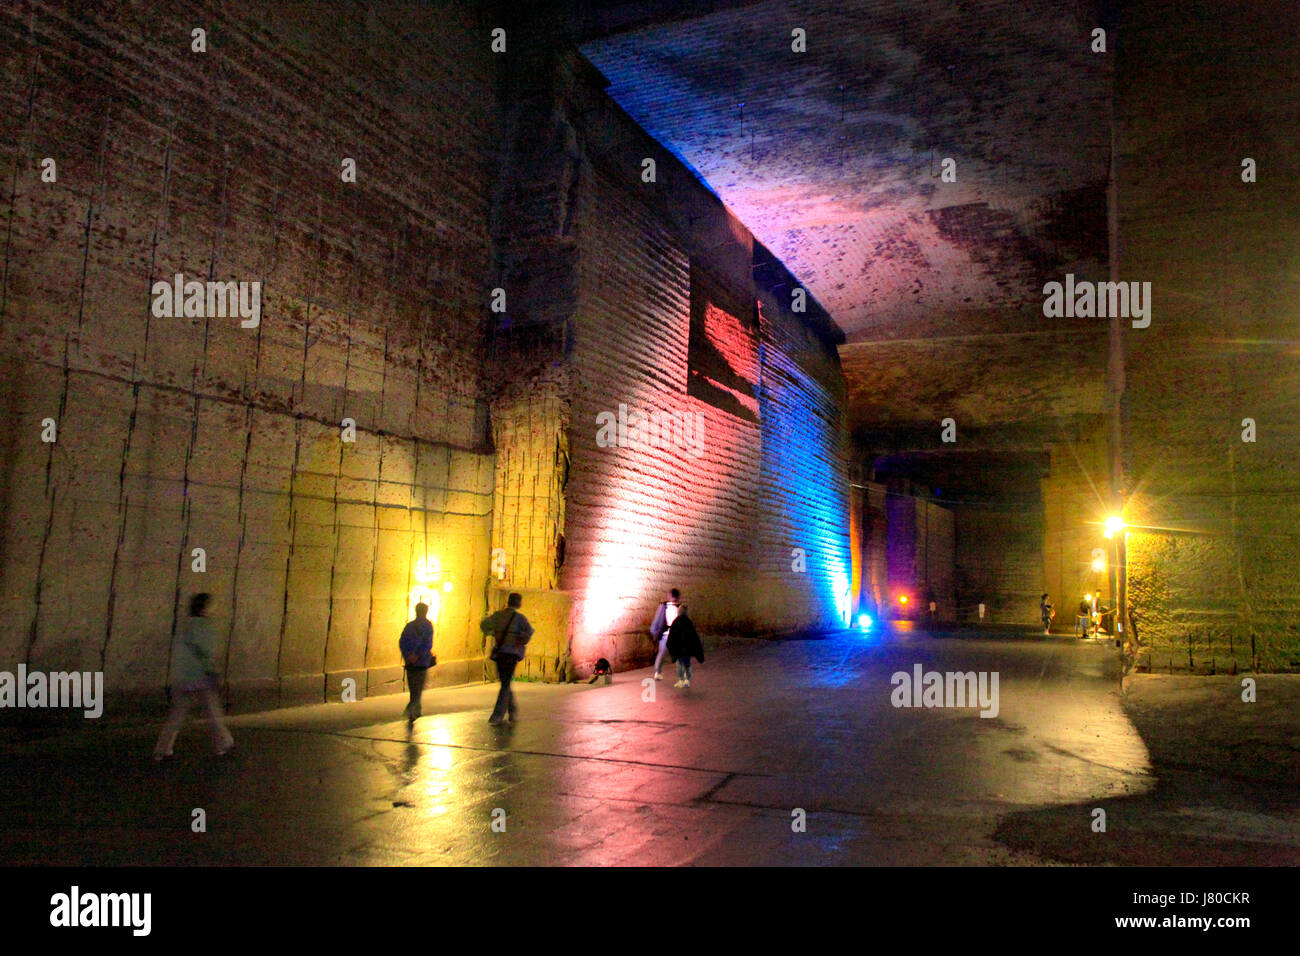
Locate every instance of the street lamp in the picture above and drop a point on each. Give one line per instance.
(1115, 528)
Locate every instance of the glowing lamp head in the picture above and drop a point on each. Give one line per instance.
(1087, 597)
(902, 599)
(864, 622)
(447, 586)
(1098, 565)
(1114, 525)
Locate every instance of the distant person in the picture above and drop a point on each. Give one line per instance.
(683, 644)
(1081, 625)
(416, 645)
(193, 677)
(665, 614)
(511, 633)
(1047, 612)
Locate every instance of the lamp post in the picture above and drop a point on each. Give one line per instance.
(1115, 529)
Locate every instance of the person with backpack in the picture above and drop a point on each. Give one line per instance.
(683, 644)
(511, 633)
(416, 645)
(665, 614)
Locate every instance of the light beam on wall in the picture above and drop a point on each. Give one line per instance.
(428, 577)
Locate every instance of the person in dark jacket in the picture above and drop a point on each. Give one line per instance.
(193, 678)
(511, 633)
(1047, 612)
(683, 644)
(665, 614)
(416, 645)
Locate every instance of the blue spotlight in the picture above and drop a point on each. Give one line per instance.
(864, 622)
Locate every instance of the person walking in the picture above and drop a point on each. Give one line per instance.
(1082, 624)
(683, 644)
(1047, 612)
(511, 633)
(416, 645)
(665, 615)
(193, 677)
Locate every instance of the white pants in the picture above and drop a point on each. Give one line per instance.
(663, 652)
(221, 738)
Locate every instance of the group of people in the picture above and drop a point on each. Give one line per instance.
(511, 633)
(1090, 620)
(194, 675)
(672, 629)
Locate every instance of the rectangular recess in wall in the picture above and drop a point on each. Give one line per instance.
(722, 363)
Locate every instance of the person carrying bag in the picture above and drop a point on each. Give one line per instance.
(416, 645)
(511, 633)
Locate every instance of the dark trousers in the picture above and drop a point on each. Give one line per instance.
(505, 697)
(415, 677)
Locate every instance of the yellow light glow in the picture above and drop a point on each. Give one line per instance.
(423, 595)
(1114, 525)
(438, 760)
(426, 569)
(1087, 597)
(902, 599)
(1098, 565)
(447, 586)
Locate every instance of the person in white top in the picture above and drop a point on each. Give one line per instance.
(664, 616)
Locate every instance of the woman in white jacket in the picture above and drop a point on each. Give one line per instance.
(194, 677)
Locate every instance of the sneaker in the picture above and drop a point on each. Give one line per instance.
(496, 719)
(686, 683)
(680, 683)
(223, 751)
(658, 676)
(160, 757)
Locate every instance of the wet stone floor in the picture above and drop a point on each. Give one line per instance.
(788, 753)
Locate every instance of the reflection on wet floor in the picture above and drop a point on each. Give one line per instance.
(619, 774)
